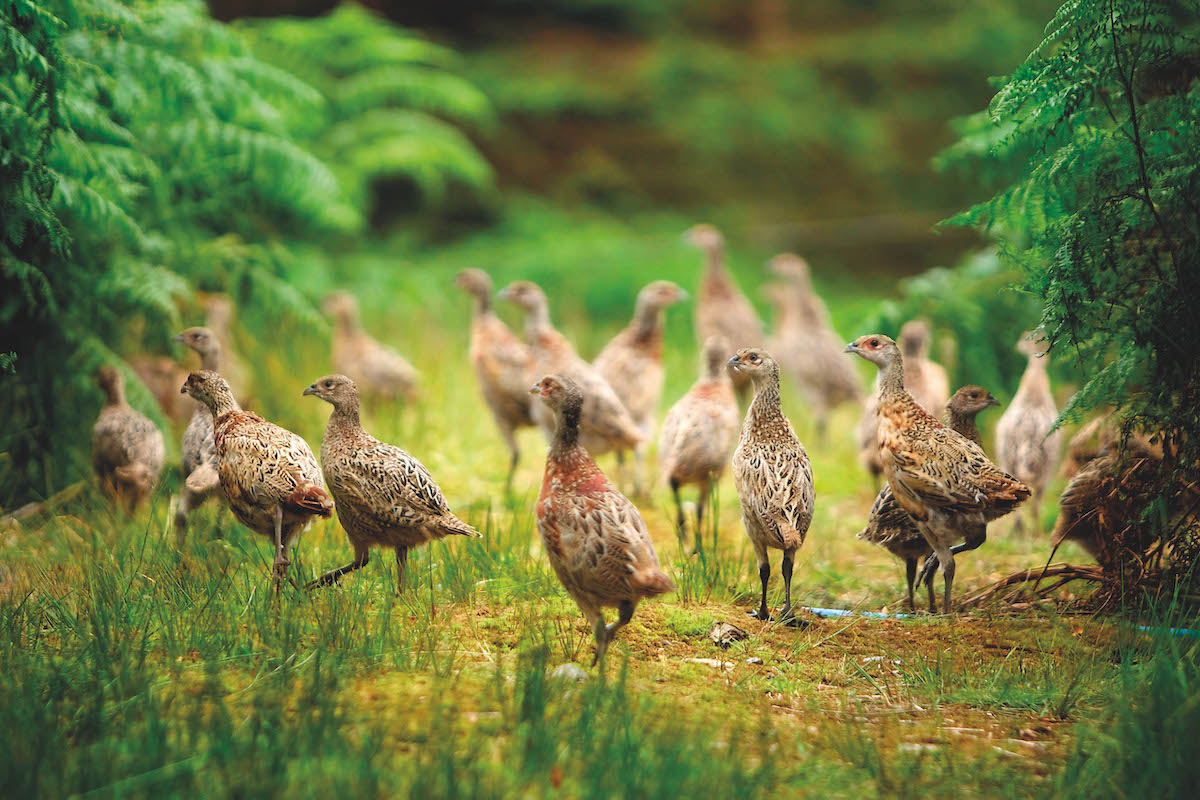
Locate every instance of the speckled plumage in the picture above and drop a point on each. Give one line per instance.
(942, 479)
(198, 451)
(808, 349)
(379, 371)
(503, 364)
(721, 307)
(385, 496)
(127, 448)
(632, 362)
(269, 474)
(595, 539)
(890, 526)
(606, 424)
(772, 474)
(1025, 445)
(925, 381)
(700, 432)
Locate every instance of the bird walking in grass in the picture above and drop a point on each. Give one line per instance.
(127, 447)
(594, 537)
(503, 365)
(1026, 443)
(381, 372)
(632, 364)
(699, 434)
(807, 347)
(721, 307)
(199, 451)
(940, 477)
(773, 476)
(890, 526)
(385, 497)
(606, 425)
(269, 474)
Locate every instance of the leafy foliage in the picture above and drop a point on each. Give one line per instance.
(1097, 131)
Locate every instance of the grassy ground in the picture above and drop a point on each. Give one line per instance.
(134, 669)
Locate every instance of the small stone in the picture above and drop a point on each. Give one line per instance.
(754, 660)
(724, 634)
(711, 662)
(569, 672)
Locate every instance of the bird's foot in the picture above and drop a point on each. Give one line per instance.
(760, 614)
(787, 616)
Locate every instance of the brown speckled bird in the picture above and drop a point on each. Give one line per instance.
(926, 383)
(805, 344)
(270, 475)
(941, 478)
(721, 308)
(606, 424)
(773, 476)
(127, 448)
(385, 497)
(594, 537)
(503, 365)
(632, 363)
(199, 453)
(893, 529)
(380, 372)
(1025, 445)
(700, 432)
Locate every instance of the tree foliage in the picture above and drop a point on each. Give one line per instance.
(1095, 144)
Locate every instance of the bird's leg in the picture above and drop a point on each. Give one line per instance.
(927, 579)
(947, 561)
(514, 455)
(181, 515)
(975, 537)
(785, 613)
(622, 473)
(822, 424)
(680, 522)
(401, 563)
(361, 558)
(910, 575)
(701, 504)
(639, 460)
(624, 614)
(279, 568)
(764, 575)
(600, 634)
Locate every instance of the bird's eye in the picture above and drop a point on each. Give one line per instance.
(328, 384)
(873, 343)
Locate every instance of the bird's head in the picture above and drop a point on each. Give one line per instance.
(876, 348)
(914, 338)
(1033, 343)
(474, 281)
(202, 340)
(340, 305)
(208, 388)
(716, 348)
(970, 400)
(524, 294)
(110, 381)
(704, 236)
(789, 266)
(559, 393)
(753, 362)
(660, 294)
(337, 390)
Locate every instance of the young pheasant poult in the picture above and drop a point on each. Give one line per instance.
(199, 453)
(385, 497)
(632, 362)
(269, 474)
(699, 433)
(893, 529)
(594, 537)
(1025, 445)
(941, 478)
(127, 448)
(606, 424)
(773, 476)
(379, 371)
(805, 344)
(503, 365)
(925, 380)
(721, 307)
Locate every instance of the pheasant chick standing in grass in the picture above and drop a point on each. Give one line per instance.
(721, 307)
(127, 448)
(269, 474)
(503, 365)
(806, 345)
(606, 424)
(773, 476)
(699, 433)
(893, 529)
(1025, 443)
(199, 453)
(382, 373)
(385, 497)
(594, 537)
(632, 363)
(940, 477)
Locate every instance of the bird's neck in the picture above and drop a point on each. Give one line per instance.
(211, 359)
(891, 382)
(647, 323)
(347, 323)
(344, 418)
(1035, 382)
(537, 321)
(483, 304)
(222, 404)
(964, 424)
(765, 406)
(114, 395)
(566, 434)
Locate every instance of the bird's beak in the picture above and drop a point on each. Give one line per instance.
(993, 401)
(504, 294)
(682, 295)
(183, 389)
(312, 389)
(535, 389)
(177, 338)
(734, 363)
(850, 348)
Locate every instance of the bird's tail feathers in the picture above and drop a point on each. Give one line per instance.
(311, 497)
(203, 479)
(652, 581)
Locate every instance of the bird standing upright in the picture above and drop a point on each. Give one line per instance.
(773, 476)
(198, 451)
